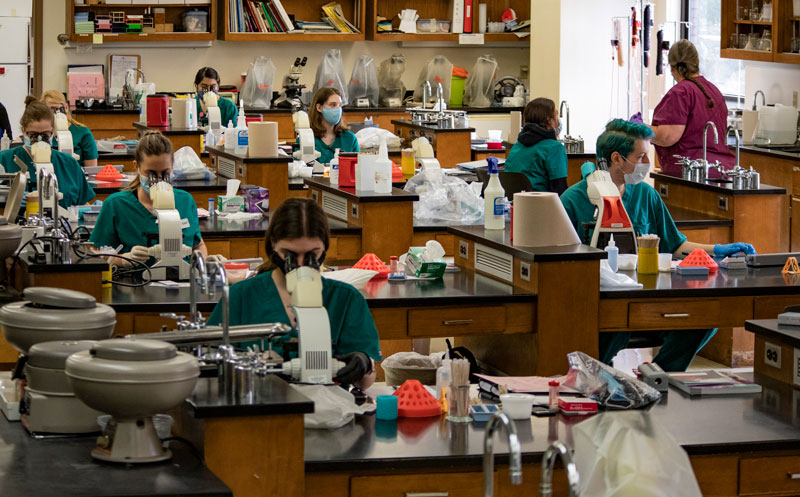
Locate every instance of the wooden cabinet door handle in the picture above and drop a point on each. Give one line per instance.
(676, 315)
(456, 322)
(427, 494)
(793, 476)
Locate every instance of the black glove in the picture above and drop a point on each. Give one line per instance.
(356, 365)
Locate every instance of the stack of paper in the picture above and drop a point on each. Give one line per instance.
(84, 27)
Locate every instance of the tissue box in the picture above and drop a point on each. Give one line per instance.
(230, 204)
(257, 199)
(416, 266)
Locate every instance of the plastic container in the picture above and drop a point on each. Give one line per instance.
(383, 170)
(443, 377)
(386, 407)
(195, 21)
(236, 271)
(664, 263)
(347, 169)
(648, 260)
(496, 27)
(777, 125)
(457, 82)
(493, 203)
(414, 401)
(432, 26)
(334, 172)
(157, 110)
(230, 137)
(613, 254)
(517, 405)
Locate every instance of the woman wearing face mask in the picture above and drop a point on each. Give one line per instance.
(37, 126)
(330, 130)
(623, 146)
(538, 153)
(127, 217)
(207, 80)
(298, 231)
(83, 142)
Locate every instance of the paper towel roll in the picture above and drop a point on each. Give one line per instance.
(263, 139)
(481, 18)
(515, 125)
(541, 221)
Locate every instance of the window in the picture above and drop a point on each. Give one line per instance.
(705, 18)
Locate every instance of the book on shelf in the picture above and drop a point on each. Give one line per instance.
(252, 16)
(314, 27)
(334, 12)
(714, 382)
(457, 17)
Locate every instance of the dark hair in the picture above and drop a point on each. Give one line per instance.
(315, 116)
(206, 72)
(152, 142)
(35, 111)
(539, 111)
(295, 218)
(683, 57)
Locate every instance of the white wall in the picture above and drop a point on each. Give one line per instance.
(173, 69)
(777, 81)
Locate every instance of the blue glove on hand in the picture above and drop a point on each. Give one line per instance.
(637, 118)
(729, 249)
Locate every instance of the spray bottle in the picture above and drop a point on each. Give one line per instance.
(383, 169)
(493, 199)
(613, 253)
(241, 131)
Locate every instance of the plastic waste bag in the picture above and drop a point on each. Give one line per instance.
(258, 84)
(437, 70)
(364, 81)
(623, 454)
(330, 72)
(479, 87)
(444, 198)
(370, 138)
(333, 406)
(187, 165)
(390, 80)
(608, 386)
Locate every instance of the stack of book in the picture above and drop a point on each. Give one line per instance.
(714, 382)
(261, 17)
(83, 23)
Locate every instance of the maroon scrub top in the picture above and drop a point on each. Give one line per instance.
(686, 105)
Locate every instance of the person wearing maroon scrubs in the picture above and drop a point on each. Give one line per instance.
(679, 119)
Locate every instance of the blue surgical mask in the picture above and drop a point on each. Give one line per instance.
(332, 115)
(200, 94)
(145, 182)
(639, 173)
(557, 129)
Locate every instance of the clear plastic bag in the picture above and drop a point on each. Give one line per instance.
(364, 81)
(187, 165)
(479, 87)
(334, 406)
(609, 387)
(258, 85)
(390, 80)
(437, 70)
(444, 198)
(370, 139)
(330, 72)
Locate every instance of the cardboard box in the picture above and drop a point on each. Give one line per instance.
(160, 27)
(169, 27)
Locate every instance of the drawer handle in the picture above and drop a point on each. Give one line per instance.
(676, 315)
(456, 322)
(427, 494)
(793, 476)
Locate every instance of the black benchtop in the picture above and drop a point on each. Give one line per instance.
(430, 127)
(719, 187)
(272, 395)
(218, 150)
(770, 152)
(701, 425)
(686, 218)
(501, 240)
(215, 227)
(105, 111)
(195, 185)
(769, 328)
(397, 194)
(722, 283)
(64, 466)
(170, 130)
(89, 264)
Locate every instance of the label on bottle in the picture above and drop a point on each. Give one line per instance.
(242, 138)
(499, 206)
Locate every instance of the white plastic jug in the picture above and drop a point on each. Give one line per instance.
(777, 124)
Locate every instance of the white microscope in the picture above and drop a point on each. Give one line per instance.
(170, 250)
(611, 218)
(64, 136)
(307, 153)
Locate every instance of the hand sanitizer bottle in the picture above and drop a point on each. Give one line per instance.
(494, 217)
(613, 252)
(335, 169)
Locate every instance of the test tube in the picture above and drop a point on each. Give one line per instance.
(211, 207)
(553, 387)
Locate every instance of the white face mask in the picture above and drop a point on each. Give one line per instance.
(639, 173)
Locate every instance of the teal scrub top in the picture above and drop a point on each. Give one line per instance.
(123, 220)
(83, 143)
(647, 211)
(71, 181)
(256, 300)
(227, 112)
(345, 142)
(541, 163)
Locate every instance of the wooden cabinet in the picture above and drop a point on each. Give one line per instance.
(769, 475)
(744, 28)
(685, 314)
(420, 485)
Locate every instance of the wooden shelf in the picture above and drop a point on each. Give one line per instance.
(487, 37)
(294, 37)
(148, 37)
(131, 6)
(787, 58)
(755, 23)
(735, 53)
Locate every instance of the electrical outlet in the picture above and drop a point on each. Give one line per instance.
(354, 210)
(723, 204)
(315, 195)
(524, 271)
(663, 190)
(524, 72)
(463, 249)
(772, 355)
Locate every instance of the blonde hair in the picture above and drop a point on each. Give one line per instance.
(151, 143)
(683, 57)
(315, 117)
(57, 96)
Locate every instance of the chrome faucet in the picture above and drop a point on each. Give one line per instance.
(196, 320)
(497, 421)
(705, 144)
(561, 113)
(440, 96)
(558, 448)
(426, 86)
(738, 141)
(218, 273)
(763, 99)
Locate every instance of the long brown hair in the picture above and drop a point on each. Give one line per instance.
(57, 96)
(35, 111)
(151, 143)
(315, 116)
(684, 59)
(295, 218)
(539, 111)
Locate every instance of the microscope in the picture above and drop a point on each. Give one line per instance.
(611, 218)
(170, 250)
(289, 97)
(306, 151)
(63, 135)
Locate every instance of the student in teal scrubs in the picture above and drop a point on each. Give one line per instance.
(37, 125)
(300, 227)
(623, 146)
(538, 153)
(207, 79)
(330, 129)
(127, 217)
(83, 141)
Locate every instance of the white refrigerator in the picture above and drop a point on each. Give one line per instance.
(15, 58)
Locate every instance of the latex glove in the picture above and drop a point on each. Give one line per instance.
(137, 253)
(637, 118)
(356, 365)
(730, 249)
(219, 258)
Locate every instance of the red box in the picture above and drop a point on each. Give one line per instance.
(577, 406)
(157, 110)
(492, 145)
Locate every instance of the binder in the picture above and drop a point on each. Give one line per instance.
(457, 22)
(468, 16)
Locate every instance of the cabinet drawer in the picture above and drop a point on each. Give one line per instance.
(422, 485)
(456, 321)
(766, 475)
(684, 314)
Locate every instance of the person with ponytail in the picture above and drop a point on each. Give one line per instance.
(679, 119)
(37, 125)
(83, 142)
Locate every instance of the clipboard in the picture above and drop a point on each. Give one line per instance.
(118, 65)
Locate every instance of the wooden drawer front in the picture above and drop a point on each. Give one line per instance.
(770, 307)
(422, 485)
(684, 314)
(460, 321)
(767, 475)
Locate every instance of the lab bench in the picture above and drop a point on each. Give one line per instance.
(180, 137)
(266, 172)
(108, 123)
(451, 145)
(127, 160)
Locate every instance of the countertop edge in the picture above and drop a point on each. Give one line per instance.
(523, 254)
(764, 190)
